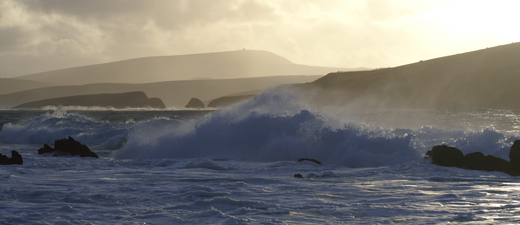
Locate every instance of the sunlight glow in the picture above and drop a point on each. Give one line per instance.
(495, 21)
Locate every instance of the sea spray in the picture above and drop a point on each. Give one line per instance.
(488, 141)
(272, 127)
(215, 190)
(48, 127)
(99, 108)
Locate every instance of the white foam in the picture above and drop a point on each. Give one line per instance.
(275, 126)
(48, 127)
(206, 164)
(272, 127)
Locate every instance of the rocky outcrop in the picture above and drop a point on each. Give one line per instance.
(67, 146)
(477, 161)
(445, 156)
(514, 155)
(229, 100)
(195, 103)
(449, 156)
(16, 158)
(137, 99)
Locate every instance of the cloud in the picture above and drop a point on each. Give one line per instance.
(40, 35)
(10, 38)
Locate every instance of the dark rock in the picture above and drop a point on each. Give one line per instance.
(68, 147)
(443, 155)
(449, 156)
(477, 161)
(298, 175)
(474, 161)
(195, 103)
(493, 163)
(514, 154)
(16, 158)
(46, 149)
(312, 160)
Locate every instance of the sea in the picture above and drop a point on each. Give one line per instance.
(236, 165)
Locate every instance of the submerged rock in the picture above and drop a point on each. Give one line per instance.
(449, 156)
(195, 103)
(312, 160)
(68, 147)
(298, 175)
(16, 158)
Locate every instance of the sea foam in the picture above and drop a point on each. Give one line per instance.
(272, 127)
(48, 127)
(276, 126)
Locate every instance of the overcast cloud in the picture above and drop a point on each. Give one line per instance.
(37, 36)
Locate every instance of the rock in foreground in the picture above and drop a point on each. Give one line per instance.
(514, 155)
(449, 156)
(16, 158)
(443, 155)
(68, 147)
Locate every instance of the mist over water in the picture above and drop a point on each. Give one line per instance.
(236, 165)
(275, 126)
(278, 126)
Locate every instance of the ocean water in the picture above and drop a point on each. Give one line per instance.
(236, 166)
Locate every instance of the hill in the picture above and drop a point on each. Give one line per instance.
(220, 65)
(172, 93)
(10, 85)
(486, 78)
(136, 99)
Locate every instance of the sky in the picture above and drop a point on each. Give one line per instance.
(44, 35)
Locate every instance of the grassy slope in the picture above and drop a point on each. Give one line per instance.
(486, 78)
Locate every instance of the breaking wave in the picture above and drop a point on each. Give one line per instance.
(275, 127)
(48, 127)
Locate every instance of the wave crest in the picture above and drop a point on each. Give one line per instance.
(266, 130)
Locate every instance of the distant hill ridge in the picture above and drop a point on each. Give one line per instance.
(487, 78)
(10, 85)
(137, 99)
(219, 65)
(172, 93)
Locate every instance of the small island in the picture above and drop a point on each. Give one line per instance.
(195, 103)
